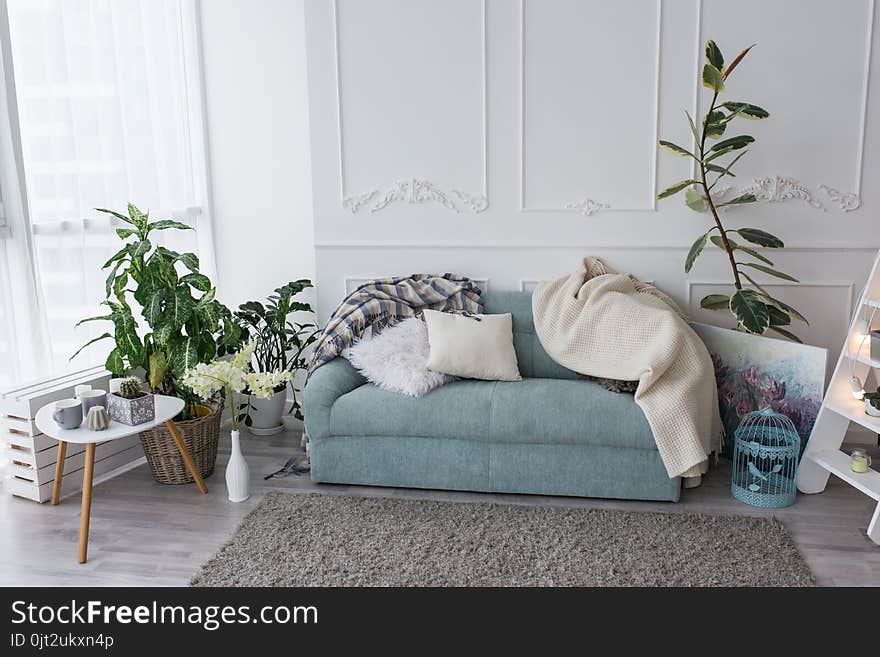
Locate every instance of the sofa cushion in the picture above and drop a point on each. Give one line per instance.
(544, 411)
(457, 410)
(557, 411)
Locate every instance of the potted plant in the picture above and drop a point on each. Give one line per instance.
(755, 309)
(183, 324)
(277, 357)
(872, 403)
(131, 405)
(227, 377)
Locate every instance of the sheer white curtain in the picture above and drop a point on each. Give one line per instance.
(109, 110)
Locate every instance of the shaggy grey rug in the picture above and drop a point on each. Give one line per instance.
(324, 540)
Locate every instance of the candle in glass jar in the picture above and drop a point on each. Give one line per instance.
(859, 461)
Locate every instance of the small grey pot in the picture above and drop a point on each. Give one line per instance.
(131, 411)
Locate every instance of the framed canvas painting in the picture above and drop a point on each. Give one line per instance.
(753, 372)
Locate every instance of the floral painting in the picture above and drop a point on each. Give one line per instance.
(753, 372)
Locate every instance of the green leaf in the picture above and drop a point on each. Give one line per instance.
(108, 285)
(119, 255)
(713, 55)
(138, 218)
(694, 200)
(778, 317)
(694, 252)
(750, 311)
(180, 307)
(693, 129)
(714, 124)
(717, 241)
(784, 306)
(746, 110)
(755, 254)
(125, 233)
(119, 216)
(788, 334)
(676, 188)
(761, 238)
(115, 363)
(165, 224)
(769, 270)
(158, 369)
(677, 150)
(190, 261)
(93, 319)
(739, 200)
(127, 340)
(733, 143)
(141, 248)
(714, 168)
(92, 341)
(119, 287)
(716, 154)
(715, 302)
(184, 354)
(712, 78)
(163, 333)
(153, 309)
(199, 281)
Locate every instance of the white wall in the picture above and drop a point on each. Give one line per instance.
(516, 113)
(255, 77)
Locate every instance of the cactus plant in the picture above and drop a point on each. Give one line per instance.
(130, 388)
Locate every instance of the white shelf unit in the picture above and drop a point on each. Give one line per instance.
(823, 455)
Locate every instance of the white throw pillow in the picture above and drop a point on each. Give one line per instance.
(472, 347)
(395, 360)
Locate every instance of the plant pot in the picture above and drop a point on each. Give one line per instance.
(200, 435)
(237, 473)
(131, 411)
(870, 410)
(266, 414)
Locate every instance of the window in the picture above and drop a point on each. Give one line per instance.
(109, 111)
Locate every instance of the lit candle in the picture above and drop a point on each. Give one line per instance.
(114, 385)
(80, 389)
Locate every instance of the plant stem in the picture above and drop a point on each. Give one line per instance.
(736, 281)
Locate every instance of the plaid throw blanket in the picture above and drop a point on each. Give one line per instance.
(386, 301)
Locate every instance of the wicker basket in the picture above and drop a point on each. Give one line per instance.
(200, 435)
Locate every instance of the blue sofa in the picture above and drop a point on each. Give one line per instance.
(552, 433)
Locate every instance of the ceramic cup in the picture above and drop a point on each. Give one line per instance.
(68, 413)
(90, 398)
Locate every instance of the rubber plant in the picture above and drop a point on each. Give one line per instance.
(185, 324)
(755, 309)
(280, 342)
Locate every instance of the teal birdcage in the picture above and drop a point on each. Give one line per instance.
(765, 460)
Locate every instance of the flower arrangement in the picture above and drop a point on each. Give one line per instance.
(266, 384)
(222, 376)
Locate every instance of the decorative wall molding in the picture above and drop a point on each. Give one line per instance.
(587, 206)
(577, 207)
(845, 201)
(778, 189)
(421, 190)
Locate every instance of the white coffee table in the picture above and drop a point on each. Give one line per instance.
(166, 409)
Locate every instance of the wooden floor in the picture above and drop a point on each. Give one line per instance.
(143, 533)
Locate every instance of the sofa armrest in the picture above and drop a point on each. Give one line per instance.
(327, 384)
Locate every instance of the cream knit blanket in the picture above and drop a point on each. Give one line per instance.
(600, 323)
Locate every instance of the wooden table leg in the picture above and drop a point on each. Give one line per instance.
(86, 509)
(59, 472)
(184, 452)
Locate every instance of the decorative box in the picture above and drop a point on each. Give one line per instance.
(131, 411)
(875, 345)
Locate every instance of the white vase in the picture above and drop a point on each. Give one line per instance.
(237, 474)
(266, 414)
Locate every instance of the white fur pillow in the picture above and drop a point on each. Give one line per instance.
(395, 360)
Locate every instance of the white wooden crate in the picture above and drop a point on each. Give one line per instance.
(31, 455)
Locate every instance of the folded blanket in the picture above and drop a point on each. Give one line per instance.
(600, 323)
(378, 303)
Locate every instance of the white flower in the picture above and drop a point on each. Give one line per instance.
(263, 384)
